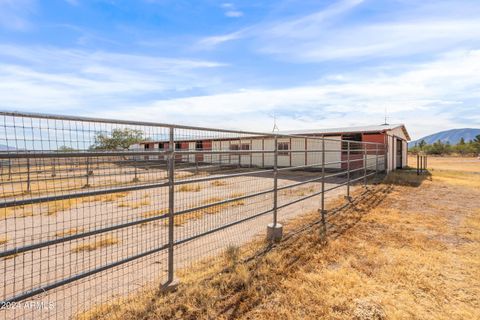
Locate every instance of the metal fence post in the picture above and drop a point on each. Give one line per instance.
(385, 155)
(87, 184)
(28, 175)
(365, 165)
(275, 229)
(418, 164)
(135, 177)
(323, 231)
(54, 168)
(171, 203)
(348, 170)
(275, 181)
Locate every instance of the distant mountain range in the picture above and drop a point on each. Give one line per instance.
(453, 136)
(5, 148)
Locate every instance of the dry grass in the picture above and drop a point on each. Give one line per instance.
(461, 164)
(394, 255)
(457, 178)
(299, 191)
(11, 256)
(219, 183)
(405, 178)
(460, 171)
(110, 197)
(153, 213)
(96, 244)
(5, 212)
(53, 207)
(69, 232)
(180, 220)
(3, 239)
(135, 204)
(189, 188)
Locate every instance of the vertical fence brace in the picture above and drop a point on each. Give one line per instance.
(365, 165)
(171, 282)
(323, 212)
(275, 229)
(28, 176)
(87, 183)
(135, 177)
(348, 173)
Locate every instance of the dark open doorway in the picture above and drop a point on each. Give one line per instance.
(399, 154)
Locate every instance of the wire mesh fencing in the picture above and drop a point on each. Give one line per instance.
(93, 209)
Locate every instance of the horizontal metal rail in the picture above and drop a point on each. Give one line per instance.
(134, 153)
(150, 219)
(164, 125)
(80, 276)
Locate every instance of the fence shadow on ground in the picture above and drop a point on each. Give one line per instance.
(407, 177)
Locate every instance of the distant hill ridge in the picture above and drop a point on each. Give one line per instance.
(6, 148)
(452, 136)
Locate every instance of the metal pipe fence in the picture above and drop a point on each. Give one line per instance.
(421, 164)
(92, 209)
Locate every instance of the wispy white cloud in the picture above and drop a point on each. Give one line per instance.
(331, 33)
(231, 10)
(296, 26)
(390, 39)
(211, 42)
(14, 14)
(45, 78)
(421, 91)
(234, 13)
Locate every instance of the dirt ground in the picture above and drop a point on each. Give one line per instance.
(408, 248)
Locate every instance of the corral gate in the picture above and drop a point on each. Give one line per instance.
(84, 217)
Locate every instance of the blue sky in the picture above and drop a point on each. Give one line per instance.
(233, 64)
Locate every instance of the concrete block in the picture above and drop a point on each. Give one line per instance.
(170, 286)
(274, 232)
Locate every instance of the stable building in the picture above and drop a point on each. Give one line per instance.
(298, 148)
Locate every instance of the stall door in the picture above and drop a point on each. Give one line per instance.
(399, 154)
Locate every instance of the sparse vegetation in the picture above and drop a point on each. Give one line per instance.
(69, 232)
(462, 148)
(153, 213)
(96, 244)
(298, 191)
(219, 183)
(110, 197)
(118, 139)
(12, 256)
(135, 204)
(53, 207)
(5, 212)
(180, 220)
(409, 249)
(189, 188)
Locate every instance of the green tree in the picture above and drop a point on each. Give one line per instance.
(476, 144)
(118, 139)
(422, 144)
(66, 149)
(462, 141)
